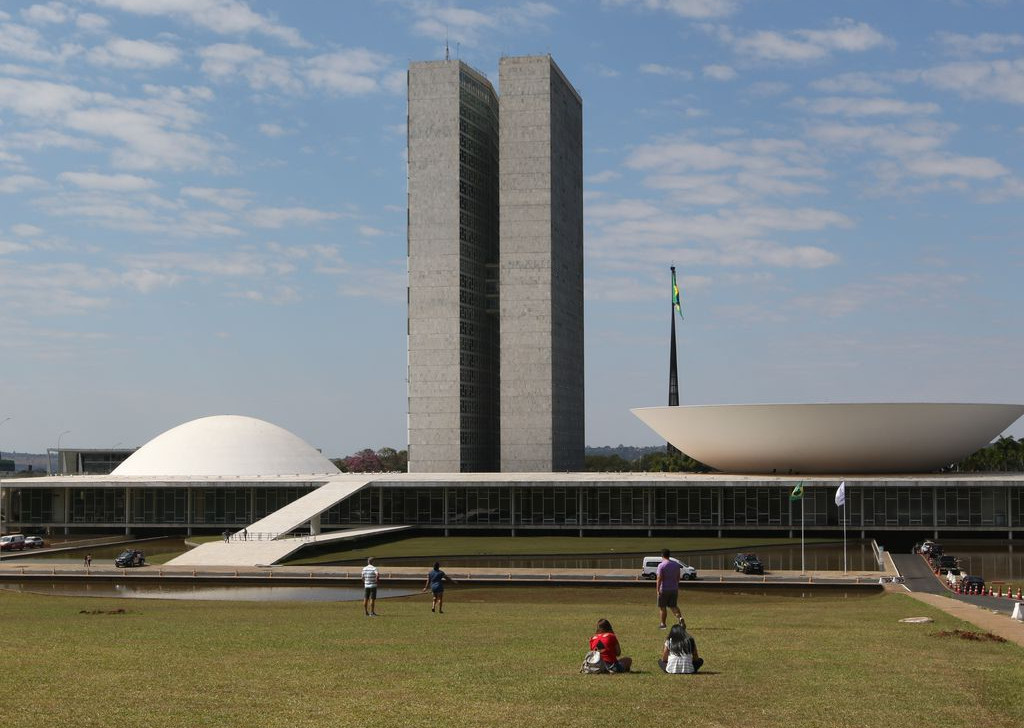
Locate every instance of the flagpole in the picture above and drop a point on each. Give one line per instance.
(803, 567)
(844, 534)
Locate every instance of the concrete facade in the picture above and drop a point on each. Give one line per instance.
(453, 253)
(541, 267)
(495, 278)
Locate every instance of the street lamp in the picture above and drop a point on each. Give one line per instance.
(60, 460)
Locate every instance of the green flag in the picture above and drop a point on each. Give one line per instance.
(676, 302)
(798, 492)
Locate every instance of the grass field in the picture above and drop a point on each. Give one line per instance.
(497, 657)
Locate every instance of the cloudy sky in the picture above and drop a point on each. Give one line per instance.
(202, 205)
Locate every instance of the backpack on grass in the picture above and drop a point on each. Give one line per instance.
(593, 664)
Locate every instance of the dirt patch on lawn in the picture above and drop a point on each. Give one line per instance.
(972, 636)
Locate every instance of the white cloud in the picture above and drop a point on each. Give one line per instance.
(27, 44)
(19, 183)
(276, 217)
(107, 182)
(226, 17)
(465, 26)
(273, 130)
(133, 54)
(949, 165)
(697, 9)
(224, 61)
(854, 83)
(850, 106)
(719, 72)
(91, 23)
(807, 44)
(965, 46)
(25, 230)
(600, 177)
(657, 69)
(350, 71)
(999, 80)
(53, 12)
(227, 198)
(7, 247)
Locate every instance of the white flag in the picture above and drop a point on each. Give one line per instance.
(841, 494)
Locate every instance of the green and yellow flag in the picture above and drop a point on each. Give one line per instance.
(676, 302)
(798, 492)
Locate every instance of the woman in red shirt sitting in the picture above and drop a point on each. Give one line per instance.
(607, 644)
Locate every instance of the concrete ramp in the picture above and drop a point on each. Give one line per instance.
(270, 539)
(287, 519)
(265, 553)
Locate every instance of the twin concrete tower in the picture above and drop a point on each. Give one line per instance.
(495, 269)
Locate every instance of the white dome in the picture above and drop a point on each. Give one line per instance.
(830, 438)
(225, 445)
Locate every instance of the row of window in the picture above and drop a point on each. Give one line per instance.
(866, 507)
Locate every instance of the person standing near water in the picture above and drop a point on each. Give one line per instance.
(371, 578)
(669, 575)
(435, 582)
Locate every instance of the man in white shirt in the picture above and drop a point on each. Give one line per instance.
(370, 580)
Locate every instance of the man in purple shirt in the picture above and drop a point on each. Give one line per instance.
(667, 584)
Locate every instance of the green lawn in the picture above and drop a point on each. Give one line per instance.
(442, 546)
(497, 657)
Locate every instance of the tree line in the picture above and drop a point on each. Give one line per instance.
(1005, 455)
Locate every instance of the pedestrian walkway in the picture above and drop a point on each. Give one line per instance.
(238, 552)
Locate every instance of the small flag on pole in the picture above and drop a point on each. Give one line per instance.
(798, 492)
(677, 303)
(841, 494)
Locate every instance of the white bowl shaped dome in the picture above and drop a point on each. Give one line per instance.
(225, 445)
(830, 438)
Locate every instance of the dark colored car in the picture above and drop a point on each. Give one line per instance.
(129, 558)
(748, 564)
(972, 583)
(946, 562)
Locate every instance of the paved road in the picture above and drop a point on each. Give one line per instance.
(919, 577)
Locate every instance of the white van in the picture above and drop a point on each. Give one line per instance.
(649, 568)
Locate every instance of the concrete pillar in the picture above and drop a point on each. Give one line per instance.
(314, 525)
(127, 511)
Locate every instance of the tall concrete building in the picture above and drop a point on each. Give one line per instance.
(540, 267)
(495, 279)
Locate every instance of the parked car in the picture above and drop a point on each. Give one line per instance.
(12, 542)
(130, 558)
(927, 546)
(946, 562)
(34, 542)
(974, 583)
(649, 568)
(748, 564)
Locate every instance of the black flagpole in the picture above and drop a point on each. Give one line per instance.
(673, 373)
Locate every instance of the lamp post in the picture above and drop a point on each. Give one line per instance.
(60, 460)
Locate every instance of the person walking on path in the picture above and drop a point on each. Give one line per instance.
(371, 578)
(667, 585)
(435, 582)
(88, 560)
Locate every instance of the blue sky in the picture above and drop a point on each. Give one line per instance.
(202, 205)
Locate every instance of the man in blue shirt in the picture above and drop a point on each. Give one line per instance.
(667, 584)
